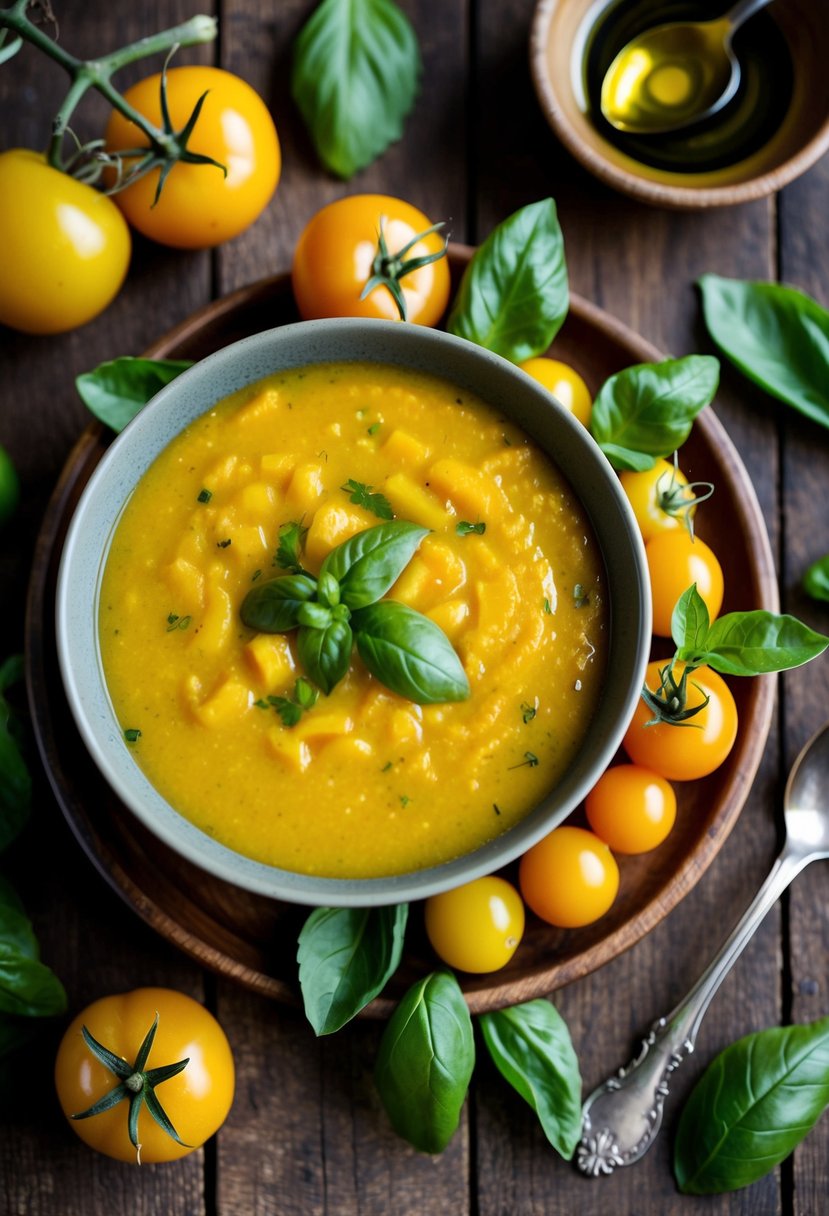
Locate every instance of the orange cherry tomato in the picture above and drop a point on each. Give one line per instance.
(685, 752)
(656, 496)
(631, 808)
(476, 927)
(570, 878)
(675, 561)
(564, 382)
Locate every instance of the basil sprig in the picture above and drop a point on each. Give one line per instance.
(346, 956)
(404, 649)
(816, 579)
(646, 412)
(355, 76)
(513, 298)
(753, 1104)
(115, 392)
(425, 1062)
(741, 643)
(777, 336)
(531, 1047)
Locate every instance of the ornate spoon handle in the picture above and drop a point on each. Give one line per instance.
(621, 1118)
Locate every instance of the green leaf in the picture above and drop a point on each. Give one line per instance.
(28, 988)
(325, 653)
(753, 1104)
(15, 781)
(368, 564)
(409, 653)
(463, 528)
(116, 391)
(425, 1062)
(752, 643)
(690, 621)
(273, 607)
(291, 540)
(514, 297)
(361, 495)
(816, 579)
(355, 76)
(775, 335)
(646, 411)
(346, 956)
(532, 1049)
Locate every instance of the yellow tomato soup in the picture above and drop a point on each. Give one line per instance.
(366, 783)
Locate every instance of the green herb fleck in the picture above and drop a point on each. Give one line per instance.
(580, 596)
(256, 574)
(132, 735)
(530, 760)
(291, 709)
(547, 606)
(404, 800)
(223, 544)
(528, 712)
(291, 539)
(496, 808)
(386, 766)
(177, 622)
(362, 496)
(204, 496)
(463, 528)
(374, 428)
(261, 704)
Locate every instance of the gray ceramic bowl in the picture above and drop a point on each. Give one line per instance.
(468, 366)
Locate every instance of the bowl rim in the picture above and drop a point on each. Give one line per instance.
(664, 194)
(86, 548)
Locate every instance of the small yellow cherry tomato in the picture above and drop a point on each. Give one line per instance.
(196, 1099)
(564, 382)
(476, 927)
(632, 809)
(570, 878)
(656, 496)
(675, 561)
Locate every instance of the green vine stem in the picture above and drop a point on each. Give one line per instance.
(96, 74)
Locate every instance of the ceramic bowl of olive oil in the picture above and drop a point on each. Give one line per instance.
(774, 127)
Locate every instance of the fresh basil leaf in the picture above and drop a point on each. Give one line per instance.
(314, 616)
(514, 297)
(116, 391)
(753, 643)
(753, 1104)
(28, 988)
(355, 75)
(272, 607)
(367, 565)
(16, 930)
(425, 1062)
(346, 956)
(816, 579)
(690, 621)
(646, 411)
(291, 540)
(409, 653)
(15, 781)
(775, 335)
(325, 653)
(531, 1047)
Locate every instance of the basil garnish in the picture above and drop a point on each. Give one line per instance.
(355, 75)
(753, 1104)
(28, 988)
(514, 297)
(816, 579)
(272, 607)
(115, 391)
(15, 782)
(775, 335)
(646, 411)
(741, 643)
(369, 563)
(425, 1062)
(291, 539)
(409, 653)
(346, 956)
(531, 1047)
(326, 653)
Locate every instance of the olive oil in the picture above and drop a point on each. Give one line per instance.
(738, 130)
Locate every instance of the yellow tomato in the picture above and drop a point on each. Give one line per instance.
(632, 809)
(476, 927)
(657, 496)
(196, 1100)
(66, 247)
(676, 560)
(570, 878)
(564, 383)
(199, 206)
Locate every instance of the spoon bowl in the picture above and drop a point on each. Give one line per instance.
(675, 75)
(805, 802)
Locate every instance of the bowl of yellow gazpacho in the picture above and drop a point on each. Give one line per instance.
(352, 612)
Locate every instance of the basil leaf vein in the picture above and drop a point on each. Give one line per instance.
(425, 1062)
(409, 653)
(368, 564)
(346, 956)
(117, 390)
(531, 1047)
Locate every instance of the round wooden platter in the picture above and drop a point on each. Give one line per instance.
(253, 939)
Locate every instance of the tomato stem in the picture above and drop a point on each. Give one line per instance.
(389, 268)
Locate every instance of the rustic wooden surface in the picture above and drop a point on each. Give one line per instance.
(307, 1134)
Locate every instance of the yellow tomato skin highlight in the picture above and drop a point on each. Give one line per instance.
(631, 808)
(675, 562)
(197, 1100)
(564, 382)
(66, 247)
(570, 878)
(476, 927)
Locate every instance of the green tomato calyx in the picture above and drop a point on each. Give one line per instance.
(388, 269)
(669, 702)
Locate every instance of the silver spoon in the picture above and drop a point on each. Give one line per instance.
(676, 74)
(621, 1119)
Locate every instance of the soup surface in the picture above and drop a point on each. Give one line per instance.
(367, 783)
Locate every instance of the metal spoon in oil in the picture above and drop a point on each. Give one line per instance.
(676, 74)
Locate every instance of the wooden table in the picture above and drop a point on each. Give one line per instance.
(307, 1133)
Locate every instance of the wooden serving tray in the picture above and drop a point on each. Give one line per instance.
(252, 939)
